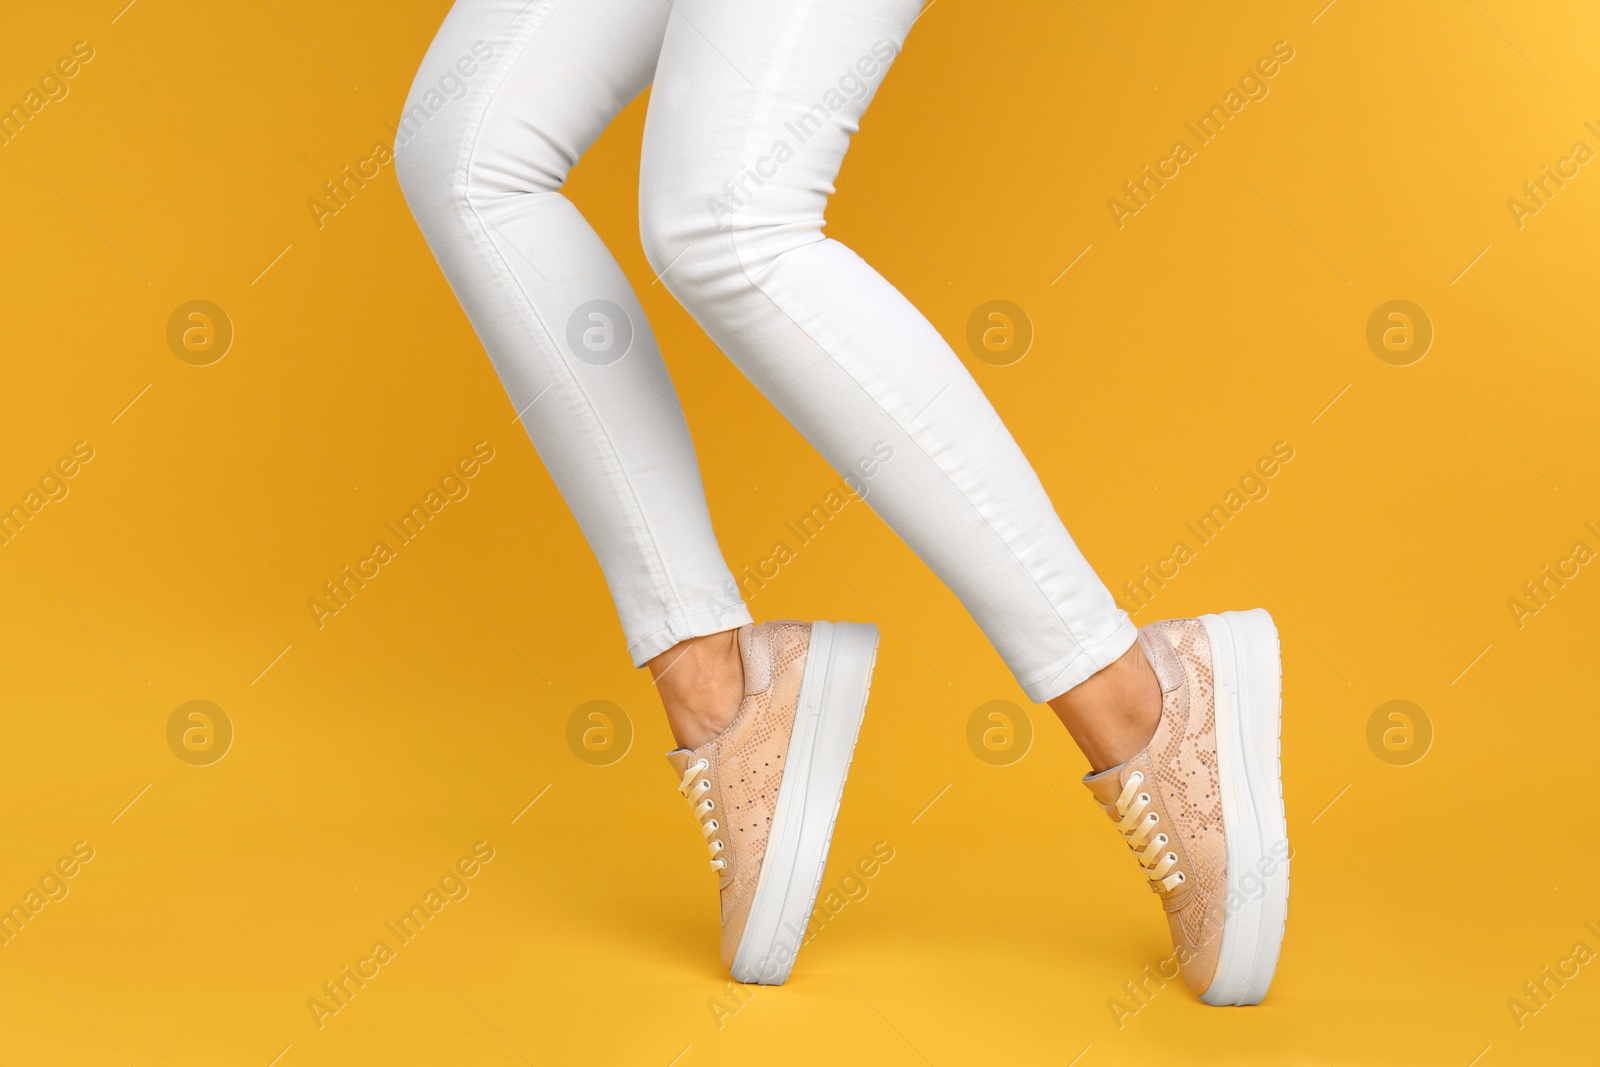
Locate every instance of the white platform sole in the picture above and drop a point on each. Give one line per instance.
(832, 701)
(1248, 673)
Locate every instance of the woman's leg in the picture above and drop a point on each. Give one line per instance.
(511, 93)
(750, 116)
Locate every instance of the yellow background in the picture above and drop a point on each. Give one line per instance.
(427, 715)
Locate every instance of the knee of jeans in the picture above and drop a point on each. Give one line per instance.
(697, 247)
(425, 168)
(676, 240)
(438, 172)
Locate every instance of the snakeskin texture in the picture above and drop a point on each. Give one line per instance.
(746, 763)
(1180, 772)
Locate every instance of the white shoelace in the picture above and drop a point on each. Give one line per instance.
(702, 809)
(1136, 825)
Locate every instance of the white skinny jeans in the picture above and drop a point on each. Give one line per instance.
(752, 109)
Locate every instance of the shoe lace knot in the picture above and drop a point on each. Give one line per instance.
(1138, 826)
(695, 793)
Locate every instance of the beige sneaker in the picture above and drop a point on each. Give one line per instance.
(766, 790)
(1202, 805)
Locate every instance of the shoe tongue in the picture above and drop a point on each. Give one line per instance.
(680, 760)
(1105, 785)
(755, 651)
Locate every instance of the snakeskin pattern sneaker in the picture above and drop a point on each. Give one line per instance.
(1202, 805)
(766, 790)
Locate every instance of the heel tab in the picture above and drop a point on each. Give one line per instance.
(1163, 660)
(755, 654)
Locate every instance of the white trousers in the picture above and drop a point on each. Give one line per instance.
(752, 109)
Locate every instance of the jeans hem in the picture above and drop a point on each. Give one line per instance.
(683, 627)
(1093, 656)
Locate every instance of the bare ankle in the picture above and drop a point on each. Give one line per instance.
(701, 683)
(1113, 714)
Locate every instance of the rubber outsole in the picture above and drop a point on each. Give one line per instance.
(1247, 667)
(834, 687)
